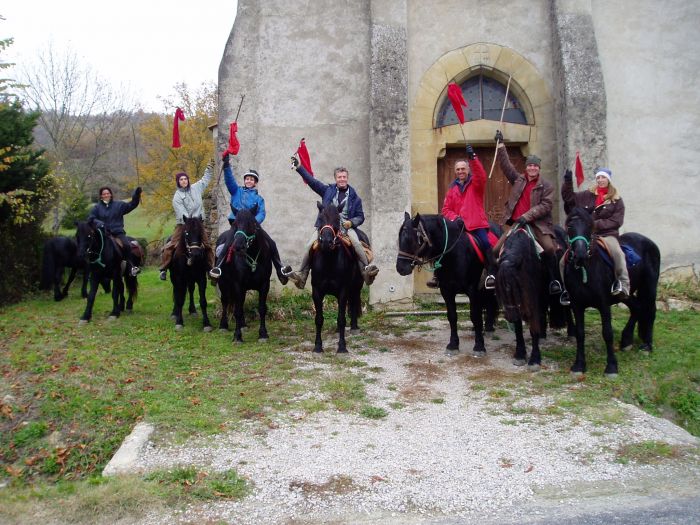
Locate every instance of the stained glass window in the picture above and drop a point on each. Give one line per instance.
(485, 98)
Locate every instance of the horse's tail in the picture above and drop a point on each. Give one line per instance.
(48, 266)
(132, 286)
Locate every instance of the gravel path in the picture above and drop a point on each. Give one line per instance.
(462, 440)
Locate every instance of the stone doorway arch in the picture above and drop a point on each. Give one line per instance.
(429, 143)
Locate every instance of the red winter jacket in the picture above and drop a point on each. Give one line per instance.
(469, 202)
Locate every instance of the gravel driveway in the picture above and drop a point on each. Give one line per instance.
(465, 440)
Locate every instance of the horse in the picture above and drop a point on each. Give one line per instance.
(189, 268)
(589, 278)
(522, 290)
(334, 271)
(426, 239)
(105, 261)
(61, 253)
(247, 265)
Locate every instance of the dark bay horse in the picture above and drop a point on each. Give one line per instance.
(189, 268)
(334, 271)
(104, 260)
(61, 253)
(428, 239)
(247, 265)
(589, 278)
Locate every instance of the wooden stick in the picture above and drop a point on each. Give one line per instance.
(500, 123)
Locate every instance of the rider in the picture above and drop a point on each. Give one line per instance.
(350, 218)
(187, 202)
(111, 214)
(530, 203)
(603, 201)
(464, 203)
(248, 197)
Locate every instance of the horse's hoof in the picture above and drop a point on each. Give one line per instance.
(534, 368)
(193, 314)
(83, 322)
(263, 338)
(179, 327)
(519, 362)
(207, 329)
(645, 348)
(343, 351)
(113, 317)
(223, 329)
(611, 375)
(625, 348)
(173, 317)
(354, 330)
(318, 350)
(489, 328)
(478, 353)
(576, 373)
(451, 353)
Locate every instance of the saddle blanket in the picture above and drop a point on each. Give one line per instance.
(632, 258)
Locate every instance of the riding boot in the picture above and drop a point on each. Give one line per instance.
(299, 278)
(552, 264)
(369, 272)
(434, 282)
(489, 269)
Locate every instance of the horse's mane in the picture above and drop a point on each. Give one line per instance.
(245, 220)
(197, 228)
(329, 214)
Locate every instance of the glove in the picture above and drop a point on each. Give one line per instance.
(499, 136)
(522, 221)
(568, 176)
(226, 159)
(470, 152)
(210, 164)
(347, 224)
(459, 221)
(295, 162)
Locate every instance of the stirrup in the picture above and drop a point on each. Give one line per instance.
(616, 288)
(371, 270)
(286, 270)
(163, 275)
(564, 299)
(555, 287)
(215, 273)
(135, 270)
(490, 282)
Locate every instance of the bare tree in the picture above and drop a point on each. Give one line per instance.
(82, 119)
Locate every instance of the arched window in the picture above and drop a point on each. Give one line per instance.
(485, 98)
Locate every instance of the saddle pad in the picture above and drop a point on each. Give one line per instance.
(632, 258)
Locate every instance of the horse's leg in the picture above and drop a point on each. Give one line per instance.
(476, 314)
(262, 309)
(192, 308)
(94, 284)
(179, 293)
(71, 276)
(83, 288)
(202, 284)
(117, 294)
(238, 303)
(491, 308)
(627, 336)
(131, 284)
(520, 355)
(606, 318)
(453, 345)
(342, 307)
(57, 277)
(579, 366)
(355, 308)
(535, 356)
(318, 306)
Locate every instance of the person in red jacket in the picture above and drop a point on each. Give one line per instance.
(464, 202)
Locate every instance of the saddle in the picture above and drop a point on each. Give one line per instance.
(632, 258)
(348, 245)
(134, 247)
(477, 248)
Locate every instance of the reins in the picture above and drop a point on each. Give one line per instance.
(252, 262)
(99, 254)
(424, 239)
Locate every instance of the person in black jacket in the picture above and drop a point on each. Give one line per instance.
(111, 214)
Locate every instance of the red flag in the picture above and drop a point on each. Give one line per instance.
(454, 93)
(233, 145)
(579, 170)
(304, 157)
(179, 115)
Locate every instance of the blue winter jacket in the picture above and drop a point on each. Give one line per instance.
(242, 197)
(112, 214)
(328, 192)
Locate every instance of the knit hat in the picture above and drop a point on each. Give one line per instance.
(533, 159)
(604, 172)
(177, 179)
(252, 173)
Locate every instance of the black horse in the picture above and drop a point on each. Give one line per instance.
(428, 239)
(105, 261)
(189, 268)
(334, 271)
(588, 279)
(247, 265)
(61, 253)
(522, 290)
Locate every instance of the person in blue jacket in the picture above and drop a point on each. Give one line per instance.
(351, 217)
(111, 214)
(247, 197)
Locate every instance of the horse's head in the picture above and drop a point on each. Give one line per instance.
(245, 230)
(90, 236)
(192, 238)
(518, 278)
(412, 244)
(329, 231)
(579, 228)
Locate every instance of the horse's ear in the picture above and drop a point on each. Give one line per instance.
(319, 205)
(184, 218)
(234, 210)
(416, 220)
(406, 216)
(254, 209)
(342, 205)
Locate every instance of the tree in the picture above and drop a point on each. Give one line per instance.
(161, 162)
(82, 118)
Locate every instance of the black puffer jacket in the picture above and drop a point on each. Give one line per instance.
(112, 214)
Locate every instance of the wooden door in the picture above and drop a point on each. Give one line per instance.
(497, 187)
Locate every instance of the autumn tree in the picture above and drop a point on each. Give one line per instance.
(161, 161)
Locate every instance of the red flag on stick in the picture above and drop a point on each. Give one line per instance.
(304, 157)
(579, 170)
(179, 115)
(233, 145)
(454, 93)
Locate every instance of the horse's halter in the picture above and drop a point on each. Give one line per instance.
(423, 241)
(336, 234)
(190, 247)
(252, 262)
(89, 251)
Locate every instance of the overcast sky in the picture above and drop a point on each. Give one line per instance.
(146, 46)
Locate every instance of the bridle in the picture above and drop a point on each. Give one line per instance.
(190, 247)
(252, 261)
(424, 242)
(571, 260)
(89, 251)
(334, 232)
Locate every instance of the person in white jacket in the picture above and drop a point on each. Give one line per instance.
(187, 202)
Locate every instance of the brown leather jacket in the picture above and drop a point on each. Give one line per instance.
(607, 218)
(541, 204)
